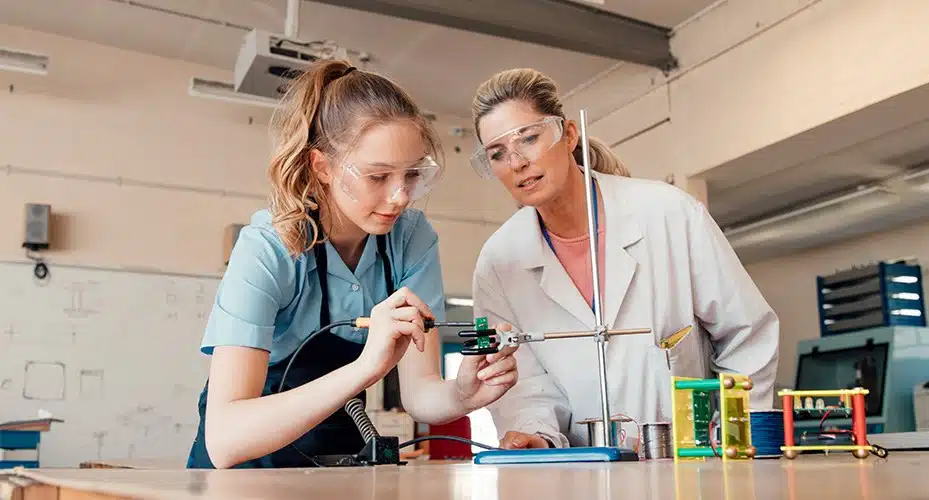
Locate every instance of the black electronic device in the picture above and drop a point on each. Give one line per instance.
(378, 450)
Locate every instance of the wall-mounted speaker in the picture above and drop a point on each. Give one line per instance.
(38, 220)
(229, 238)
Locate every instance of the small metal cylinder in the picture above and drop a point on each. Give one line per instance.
(596, 433)
(657, 441)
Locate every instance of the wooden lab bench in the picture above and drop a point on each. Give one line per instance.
(136, 463)
(838, 476)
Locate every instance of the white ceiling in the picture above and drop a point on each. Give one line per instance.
(439, 66)
(864, 147)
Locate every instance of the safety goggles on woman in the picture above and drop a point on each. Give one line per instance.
(528, 142)
(370, 181)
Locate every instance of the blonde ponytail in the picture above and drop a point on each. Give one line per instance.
(327, 108)
(602, 159)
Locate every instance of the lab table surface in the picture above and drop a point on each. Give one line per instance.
(137, 463)
(837, 476)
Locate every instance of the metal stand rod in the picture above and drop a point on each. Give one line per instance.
(292, 22)
(595, 271)
(511, 339)
(608, 333)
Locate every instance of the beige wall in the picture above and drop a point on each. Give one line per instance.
(753, 73)
(103, 114)
(789, 283)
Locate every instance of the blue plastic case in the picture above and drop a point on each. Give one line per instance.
(556, 455)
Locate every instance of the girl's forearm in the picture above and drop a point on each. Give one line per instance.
(246, 429)
(436, 401)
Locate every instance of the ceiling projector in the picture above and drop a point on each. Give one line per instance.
(267, 62)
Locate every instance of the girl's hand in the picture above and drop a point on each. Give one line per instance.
(482, 380)
(395, 322)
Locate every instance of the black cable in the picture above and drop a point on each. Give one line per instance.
(446, 438)
(291, 362)
(306, 341)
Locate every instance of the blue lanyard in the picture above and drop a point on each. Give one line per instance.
(595, 236)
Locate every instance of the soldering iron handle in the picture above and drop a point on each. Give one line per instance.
(429, 323)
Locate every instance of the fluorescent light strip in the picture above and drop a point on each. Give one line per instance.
(222, 91)
(461, 302)
(23, 62)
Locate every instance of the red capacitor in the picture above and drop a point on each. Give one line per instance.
(788, 404)
(859, 425)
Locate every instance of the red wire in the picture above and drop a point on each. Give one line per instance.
(831, 432)
(638, 429)
(822, 420)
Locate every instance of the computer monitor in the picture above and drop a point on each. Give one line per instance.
(845, 368)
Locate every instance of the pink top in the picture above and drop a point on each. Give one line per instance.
(574, 255)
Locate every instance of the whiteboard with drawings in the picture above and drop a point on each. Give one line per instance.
(113, 353)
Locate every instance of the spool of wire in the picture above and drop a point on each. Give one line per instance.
(767, 432)
(656, 441)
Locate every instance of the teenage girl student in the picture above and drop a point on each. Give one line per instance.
(664, 265)
(338, 242)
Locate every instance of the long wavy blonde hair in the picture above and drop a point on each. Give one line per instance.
(531, 86)
(327, 108)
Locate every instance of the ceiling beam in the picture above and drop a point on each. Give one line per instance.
(562, 24)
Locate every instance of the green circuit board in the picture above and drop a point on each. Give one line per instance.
(480, 324)
(702, 415)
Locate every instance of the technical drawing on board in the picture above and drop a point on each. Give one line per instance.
(115, 354)
(44, 380)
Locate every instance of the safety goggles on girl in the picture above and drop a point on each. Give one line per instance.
(369, 181)
(527, 142)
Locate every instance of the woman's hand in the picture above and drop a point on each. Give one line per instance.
(481, 380)
(395, 322)
(514, 440)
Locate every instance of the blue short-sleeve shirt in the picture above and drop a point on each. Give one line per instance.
(270, 300)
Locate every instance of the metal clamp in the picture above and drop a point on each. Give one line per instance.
(482, 342)
(600, 335)
(490, 341)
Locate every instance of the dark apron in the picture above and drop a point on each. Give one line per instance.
(336, 435)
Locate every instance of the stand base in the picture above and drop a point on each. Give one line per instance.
(379, 450)
(556, 455)
(347, 461)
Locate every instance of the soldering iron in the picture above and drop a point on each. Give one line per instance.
(377, 449)
(362, 322)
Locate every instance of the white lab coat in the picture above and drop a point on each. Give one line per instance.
(668, 265)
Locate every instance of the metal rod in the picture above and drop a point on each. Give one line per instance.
(609, 333)
(292, 23)
(595, 272)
